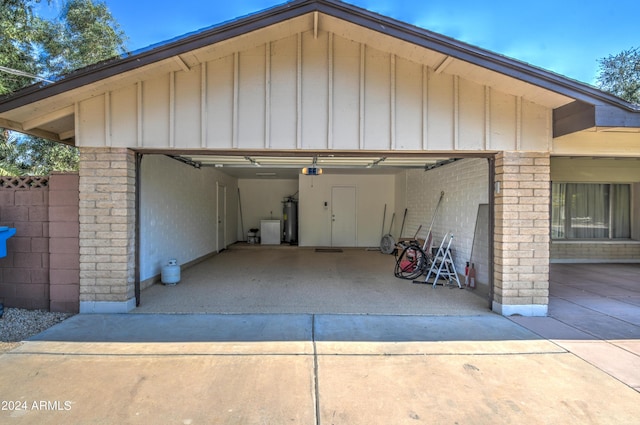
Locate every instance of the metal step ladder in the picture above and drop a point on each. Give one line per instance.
(443, 265)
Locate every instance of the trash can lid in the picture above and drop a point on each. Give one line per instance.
(3, 228)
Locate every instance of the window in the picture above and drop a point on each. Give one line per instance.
(590, 211)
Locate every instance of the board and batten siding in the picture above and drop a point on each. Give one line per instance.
(306, 93)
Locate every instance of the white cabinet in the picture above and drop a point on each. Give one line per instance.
(270, 231)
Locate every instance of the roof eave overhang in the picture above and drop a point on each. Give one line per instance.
(579, 116)
(612, 107)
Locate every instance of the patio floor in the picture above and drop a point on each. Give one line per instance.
(602, 300)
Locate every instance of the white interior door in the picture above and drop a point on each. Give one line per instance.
(343, 216)
(221, 217)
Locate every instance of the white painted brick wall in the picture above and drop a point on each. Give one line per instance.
(466, 185)
(178, 212)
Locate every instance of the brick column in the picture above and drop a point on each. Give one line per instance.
(107, 230)
(521, 276)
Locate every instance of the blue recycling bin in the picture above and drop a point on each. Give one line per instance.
(5, 233)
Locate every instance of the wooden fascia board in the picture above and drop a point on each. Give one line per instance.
(575, 116)
(578, 116)
(610, 116)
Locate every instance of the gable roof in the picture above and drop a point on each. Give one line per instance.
(578, 105)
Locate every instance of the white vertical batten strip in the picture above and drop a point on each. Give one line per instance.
(330, 94)
(76, 123)
(172, 109)
(550, 129)
(456, 112)
(107, 119)
(425, 107)
(518, 123)
(487, 117)
(203, 105)
(299, 94)
(139, 113)
(315, 24)
(392, 97)
(267, 95)
(235, 106)
(363, 53)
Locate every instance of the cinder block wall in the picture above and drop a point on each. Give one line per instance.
(24, 272)
(64, 245)
(42, 265)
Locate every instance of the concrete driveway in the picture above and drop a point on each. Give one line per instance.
(575, 366)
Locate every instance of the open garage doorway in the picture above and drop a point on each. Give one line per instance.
(180, 198)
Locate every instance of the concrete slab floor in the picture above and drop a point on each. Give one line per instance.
(246, 279)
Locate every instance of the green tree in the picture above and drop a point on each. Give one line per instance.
(84, 33)
(17, 37)
(8, 155)
(620, 75)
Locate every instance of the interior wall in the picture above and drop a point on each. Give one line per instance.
(372, 193)
(466, 186)
(178, 212)
(262, 200)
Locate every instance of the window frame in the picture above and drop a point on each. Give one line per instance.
(567, 219)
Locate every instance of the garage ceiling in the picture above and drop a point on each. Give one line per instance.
(290, 167)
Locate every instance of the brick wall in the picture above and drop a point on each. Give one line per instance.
(521, 283)
(465, 184)
(40, 270)
(601, 252)
(107, 230)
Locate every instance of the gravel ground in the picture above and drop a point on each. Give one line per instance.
(18, 324)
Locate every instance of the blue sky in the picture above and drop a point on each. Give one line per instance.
(564, 36)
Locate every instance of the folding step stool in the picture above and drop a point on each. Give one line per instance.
(443, 265)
